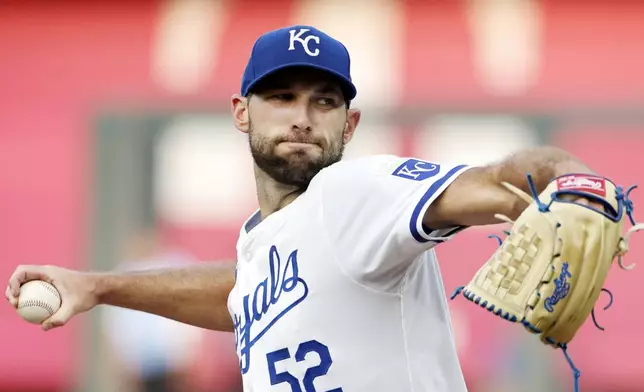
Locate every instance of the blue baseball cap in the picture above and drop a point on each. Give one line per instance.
(298, 46)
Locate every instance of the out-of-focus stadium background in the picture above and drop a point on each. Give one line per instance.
(117, 151)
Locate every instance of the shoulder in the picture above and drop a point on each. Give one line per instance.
(387, 168)
(369, 166)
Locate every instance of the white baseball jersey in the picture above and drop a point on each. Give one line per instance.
(340, 290)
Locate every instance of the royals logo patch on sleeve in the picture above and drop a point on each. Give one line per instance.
(417, 170)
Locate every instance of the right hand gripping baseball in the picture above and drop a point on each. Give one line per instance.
(76, 290)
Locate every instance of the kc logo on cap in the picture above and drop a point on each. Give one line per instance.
(296, 36)
(307, 47)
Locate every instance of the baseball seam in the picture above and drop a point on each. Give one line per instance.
(49, 287)
(34, 302)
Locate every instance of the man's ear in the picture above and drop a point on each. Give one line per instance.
(239, 109)
(353, 119)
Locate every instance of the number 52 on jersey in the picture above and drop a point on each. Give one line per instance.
(305, 349)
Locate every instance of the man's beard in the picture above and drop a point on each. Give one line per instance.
(297, 169)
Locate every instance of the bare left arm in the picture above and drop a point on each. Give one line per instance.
(476, 195)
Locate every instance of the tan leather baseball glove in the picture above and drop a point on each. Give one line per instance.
(549, 271)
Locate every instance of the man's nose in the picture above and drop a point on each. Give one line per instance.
(302, 116)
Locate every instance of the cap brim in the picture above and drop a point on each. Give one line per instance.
(348, 88)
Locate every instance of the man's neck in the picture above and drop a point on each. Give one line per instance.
(272, 195)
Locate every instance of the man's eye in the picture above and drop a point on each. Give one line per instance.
(326, 101)
(281, 97)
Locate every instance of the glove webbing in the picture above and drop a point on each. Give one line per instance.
(625, 205)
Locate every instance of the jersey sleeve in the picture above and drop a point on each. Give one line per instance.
(373, 211)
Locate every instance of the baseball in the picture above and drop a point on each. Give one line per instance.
(37, 301)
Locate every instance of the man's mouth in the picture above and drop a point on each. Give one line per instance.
(296, 142)
(299, 144)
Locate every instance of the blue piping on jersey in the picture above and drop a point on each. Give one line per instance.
(254, 220)
(431, 191)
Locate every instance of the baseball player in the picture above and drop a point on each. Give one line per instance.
(336, 287)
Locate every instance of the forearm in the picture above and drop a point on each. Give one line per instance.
(195, 295)
(477, 195)
(542, 163)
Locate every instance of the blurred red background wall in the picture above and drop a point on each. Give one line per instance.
(59, 61)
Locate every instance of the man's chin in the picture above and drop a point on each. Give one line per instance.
(291, 165)
(296, 169)
(293, 175)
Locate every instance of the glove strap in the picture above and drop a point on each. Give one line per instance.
(576, 373)
(623, 246)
